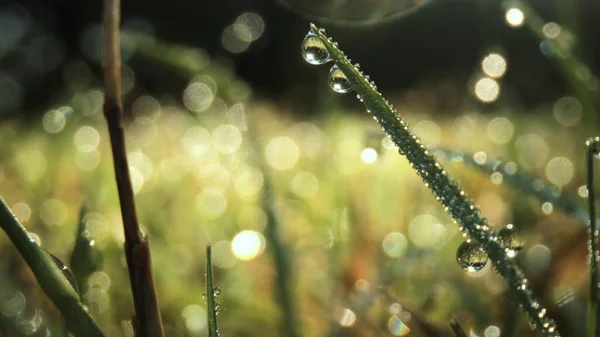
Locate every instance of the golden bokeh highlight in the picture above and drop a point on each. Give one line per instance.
(514, 17)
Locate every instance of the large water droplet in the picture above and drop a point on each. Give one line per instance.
(338, 80)
(67, 273)
(314, 50)
(471, 256)
(512, 241)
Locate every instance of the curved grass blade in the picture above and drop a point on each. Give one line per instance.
(531, 185)
(211, 294)
(49, 276)
(447, 191)
(593, 149)
(86, 258)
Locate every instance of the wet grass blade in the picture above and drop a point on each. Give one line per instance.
(593, 149)
(458, 330)
(529, 184)
(211, 294)
(49, 276)
(86, 258)
(447, 191)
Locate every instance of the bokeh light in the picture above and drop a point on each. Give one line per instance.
(514, 17)
(252, 26)
(86, 139)
(487, 90)
(426, 231)
(247, 245)
(494, 65)
(248, 182)
(532, 151)
(492, 331)
(568, 111)
(211, 202)
(198, 97)
(54, 121)
(396, 327)
(551, 30)
(282, 153)
(429, 132)
(227, 138)
(195, 318)
(560, 170)
(500, 130)
(305, 184)
(347, 318)
(395, 244)
(22, 211)
(369, 155)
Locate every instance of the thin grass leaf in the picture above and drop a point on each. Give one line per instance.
(531, 185)
(345, 76)
(86, 258)
(211, 296)
(49, 276)
(279, 250)
(593, 149)
(458, 330)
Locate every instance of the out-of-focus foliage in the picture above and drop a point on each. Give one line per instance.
(374, 253)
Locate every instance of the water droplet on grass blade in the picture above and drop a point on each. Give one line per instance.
(314, 50)
(338, 80)
(512, 241)
(471, 256)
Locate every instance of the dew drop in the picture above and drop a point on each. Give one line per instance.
(512, 241)
(217, 291)
(217, 309)
(338, 81)
(314, 50)
(471, 256)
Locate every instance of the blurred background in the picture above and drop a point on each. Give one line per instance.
(221, 108)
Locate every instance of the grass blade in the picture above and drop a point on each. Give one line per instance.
(49, 276)
(593, 149)
(86, 258)
(212, 292)
(447, 191)
(279, 251)
(458, 330)
(531, 185)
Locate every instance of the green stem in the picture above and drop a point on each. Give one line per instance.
(447, 191)
(593, 147)
(49, 276)
(211, 297)
(279, 251)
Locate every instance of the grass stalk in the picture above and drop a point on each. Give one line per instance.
(211, 296)
(456, 328)
(147, 321)
(49, 276)
(593, 148)
(447, 191)
(86, 258)
(279, 251)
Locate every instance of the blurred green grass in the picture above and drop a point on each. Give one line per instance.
(352, 211)
(196, 185)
